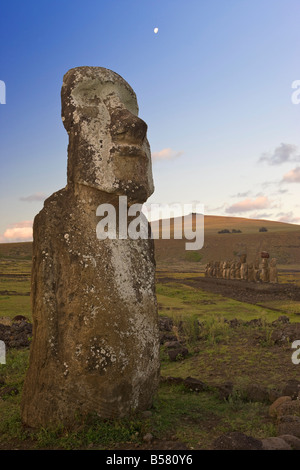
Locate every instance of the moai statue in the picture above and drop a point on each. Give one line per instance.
(95, 347)
(228, 270)
(210, 269)
(220, 269)
(238, 270)
(206, 270)
(224, 265)
(273, 271)
(256, 271)
(216, 268)
(265, 271)
(244, 271)
(251, 272)
(213, 270)
(232, 270)
(244, 267)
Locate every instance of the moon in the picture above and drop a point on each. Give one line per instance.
(155, 30)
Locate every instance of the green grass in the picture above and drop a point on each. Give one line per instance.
(12, 305)
(217, 353)
(177, 299)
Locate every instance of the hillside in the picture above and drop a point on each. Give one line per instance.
(282, 240)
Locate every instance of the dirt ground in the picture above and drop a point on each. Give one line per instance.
(243, 291)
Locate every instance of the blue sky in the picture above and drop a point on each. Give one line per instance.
(214, 86)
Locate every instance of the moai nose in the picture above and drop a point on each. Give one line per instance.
(127, 128)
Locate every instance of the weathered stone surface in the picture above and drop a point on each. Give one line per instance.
(265, 270)
(165, 323)
(274, 394)
(273, 271)
(172, 380)
(255, 392)
(17, 335)
(178, 353)
(273, 410)
(289, 425)
(291, 407)
(289, 332)
(95, 342)
(237, 441)
(275, 443)
(194, 384)
(292, 388)
(293, 441)
(225, 390)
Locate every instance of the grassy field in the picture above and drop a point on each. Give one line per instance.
(217, 353)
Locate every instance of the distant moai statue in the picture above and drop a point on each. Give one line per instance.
(214, 269)
(95, 346)
(265, 271)
(210, 268)
(228, 269)
(273, 271)
(232, 270)
(251, 272)
(238, 270)
(220, 269)
(244, 266)
(206, 271)
(256, 271)
(217, 268)
(224, 269)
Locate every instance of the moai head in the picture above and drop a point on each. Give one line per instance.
(108, 148)
(243, 258)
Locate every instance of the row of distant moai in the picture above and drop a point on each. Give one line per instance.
(257, 271)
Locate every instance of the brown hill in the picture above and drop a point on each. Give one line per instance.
(281, 240)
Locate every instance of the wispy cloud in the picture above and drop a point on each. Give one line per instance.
(166, 154)
(292, 176)
(245, 194)
(260, 215)
(18, 232)
(282, 154)
(261, 202)
(288, 217)
(34, 197)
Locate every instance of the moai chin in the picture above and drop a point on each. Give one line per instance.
(95, 347)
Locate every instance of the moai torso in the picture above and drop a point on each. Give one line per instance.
(273, 271)
(244, 271)
(238, 270)
(256, 271)
(232, 271)
(251, 272)
(95, 345)
(265, 272)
